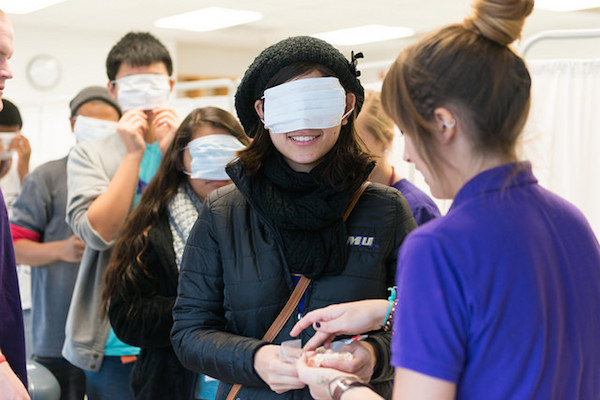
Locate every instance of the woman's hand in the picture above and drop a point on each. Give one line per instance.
(362, 363)
(280, 376)
(342, 319)
(317, 378)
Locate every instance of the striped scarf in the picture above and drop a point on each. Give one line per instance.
(182, 213)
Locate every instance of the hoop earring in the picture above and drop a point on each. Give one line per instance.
(450, 125)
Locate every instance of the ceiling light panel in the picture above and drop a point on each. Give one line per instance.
(208, 19)
(26, 6)
(365, 34)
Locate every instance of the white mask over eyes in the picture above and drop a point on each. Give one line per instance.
(143, 91)
(86, 128)
(210, 154)
(311, 103)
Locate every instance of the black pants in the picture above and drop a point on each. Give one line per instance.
(70, 378)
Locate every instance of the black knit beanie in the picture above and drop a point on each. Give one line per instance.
(286, 52)
(10, 115)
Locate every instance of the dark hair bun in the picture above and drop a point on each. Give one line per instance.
(499, 20)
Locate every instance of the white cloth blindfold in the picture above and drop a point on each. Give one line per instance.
(143, 91)
(311, 103)
(87, 128)
(210, 154)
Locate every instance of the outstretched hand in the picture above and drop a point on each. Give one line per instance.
(362, 363)
(341, 319)
(317, 378)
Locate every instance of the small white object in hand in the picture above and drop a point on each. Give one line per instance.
(318, 358)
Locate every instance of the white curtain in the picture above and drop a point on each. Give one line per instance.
(562, 136)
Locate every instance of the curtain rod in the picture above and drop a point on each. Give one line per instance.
(559, 34)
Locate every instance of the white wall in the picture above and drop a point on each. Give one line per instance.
(213, 61)
(45, 113)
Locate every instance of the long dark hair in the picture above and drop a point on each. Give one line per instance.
(125, 265)
(346, 159)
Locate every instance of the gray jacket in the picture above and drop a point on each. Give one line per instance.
(90, 168)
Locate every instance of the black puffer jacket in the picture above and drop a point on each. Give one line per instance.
(234, 281)
(157, 373)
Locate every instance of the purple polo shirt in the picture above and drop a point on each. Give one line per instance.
(502, 295)
(421, 205)
(12, 336)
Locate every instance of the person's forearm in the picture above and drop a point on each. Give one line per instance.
(35, 253)
(379, 313)
(23, 169)
(109, 210)
(360, 393)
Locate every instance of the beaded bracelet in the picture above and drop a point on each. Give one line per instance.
(390, 321)
(391, 305)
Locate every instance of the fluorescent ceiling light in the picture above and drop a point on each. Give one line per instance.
(26, 6)
(564, 5)
(365, 34)
(208, 19)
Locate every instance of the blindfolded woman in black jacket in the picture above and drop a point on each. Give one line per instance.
(284, 218)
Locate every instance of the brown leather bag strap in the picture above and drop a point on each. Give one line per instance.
(279, 322)
(294, 299)
(354, 200)
(287, 311)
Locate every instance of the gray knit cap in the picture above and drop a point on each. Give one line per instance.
(286, 52)
(93, 93)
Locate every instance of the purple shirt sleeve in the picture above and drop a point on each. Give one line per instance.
(431, 318)
(12, 336)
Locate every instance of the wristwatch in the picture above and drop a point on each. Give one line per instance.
(345, 383)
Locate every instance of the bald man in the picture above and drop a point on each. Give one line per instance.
(13, 374)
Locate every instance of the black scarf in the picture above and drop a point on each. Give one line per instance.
(308, 214)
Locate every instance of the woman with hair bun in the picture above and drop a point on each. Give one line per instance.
(498, 299)
(295, 225)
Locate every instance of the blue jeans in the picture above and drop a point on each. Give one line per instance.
(111, 382)
(70, 378)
